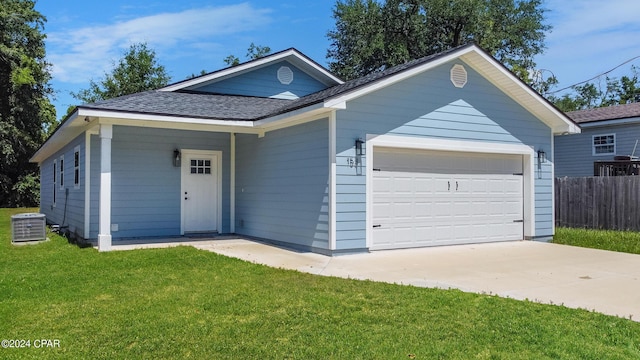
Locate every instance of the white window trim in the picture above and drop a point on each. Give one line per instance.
(593, 146)
(61, 172)
(76, 168)
(55, 179)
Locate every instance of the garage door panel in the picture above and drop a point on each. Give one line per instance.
(432, 198)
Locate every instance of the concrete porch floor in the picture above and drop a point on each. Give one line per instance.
(602, 281)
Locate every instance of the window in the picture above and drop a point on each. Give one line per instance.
(55, 170)
(76, 167)
(201, 167)
(604, 144)
(62, 172)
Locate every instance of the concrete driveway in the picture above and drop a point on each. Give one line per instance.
(603, 281)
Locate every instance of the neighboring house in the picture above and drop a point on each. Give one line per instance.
(447, 149)
(606, 132)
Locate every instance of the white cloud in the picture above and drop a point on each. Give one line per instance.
(83, 53)
(589, 37)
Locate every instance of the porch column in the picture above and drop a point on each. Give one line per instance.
(332, 182)
(232, 195)
(104, 232)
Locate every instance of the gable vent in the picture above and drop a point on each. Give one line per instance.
(458, 76)
(285, 75)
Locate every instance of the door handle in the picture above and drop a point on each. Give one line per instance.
(456, 186)
(448, 185)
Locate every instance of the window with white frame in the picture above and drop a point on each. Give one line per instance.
(76, 167)
(61, 172)
(604, 144)
(55, 170)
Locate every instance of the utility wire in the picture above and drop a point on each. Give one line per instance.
(595, 77)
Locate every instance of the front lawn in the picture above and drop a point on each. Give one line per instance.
(622, 241)
(185, 303)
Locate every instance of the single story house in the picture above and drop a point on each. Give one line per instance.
(607, 132)
(447, 149)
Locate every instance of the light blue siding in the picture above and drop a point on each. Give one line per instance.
(269, 85)
(68, 211)
(282, 185)
(428, 105)
(145, 184)
(574, 153)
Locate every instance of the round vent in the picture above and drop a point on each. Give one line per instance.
(285, 75)
(458, 76)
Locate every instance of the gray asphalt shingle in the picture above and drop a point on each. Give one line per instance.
(181, 104)
(606, 113)
(233, 107)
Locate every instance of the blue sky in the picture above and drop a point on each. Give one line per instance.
(85, 37)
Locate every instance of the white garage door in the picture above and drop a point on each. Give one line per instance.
(427, 198)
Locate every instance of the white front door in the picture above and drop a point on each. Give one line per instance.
(200, 191)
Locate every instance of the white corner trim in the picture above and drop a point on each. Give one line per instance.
(87, 184)
(104, 234)
(232, 181)
(332, 181)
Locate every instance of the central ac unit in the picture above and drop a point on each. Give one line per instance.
(28, 227)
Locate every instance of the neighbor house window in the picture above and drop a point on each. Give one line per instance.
(61, 172)
(55, 170)
(604, 144)
(76, 167)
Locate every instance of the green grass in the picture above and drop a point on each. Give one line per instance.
(621, 241)
(185, 303)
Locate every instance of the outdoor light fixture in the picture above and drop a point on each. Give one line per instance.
(359, 151)
(176, 158)
(541, 157)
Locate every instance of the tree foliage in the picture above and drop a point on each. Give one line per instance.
(138, 70)
(606, 92)
(374, 35)
(25, 109)
(253, 52)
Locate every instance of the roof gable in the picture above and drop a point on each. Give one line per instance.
(292, 57)
(278, 80)
(176, 105)
(470, 54)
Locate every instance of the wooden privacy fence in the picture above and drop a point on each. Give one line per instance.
(598, 202)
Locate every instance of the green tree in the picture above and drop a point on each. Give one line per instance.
(370, 35)
(607, 92)
(253, 52)
(138, 70)
(25, 109)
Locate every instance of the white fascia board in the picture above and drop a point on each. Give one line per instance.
(84, 119)
(251, 65)
(163, 118)
(339, 101)
(226, 72)
(68, 130)
(524, 95)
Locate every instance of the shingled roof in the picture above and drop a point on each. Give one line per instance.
(615, 112)
(192, 105)
(234, 107)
